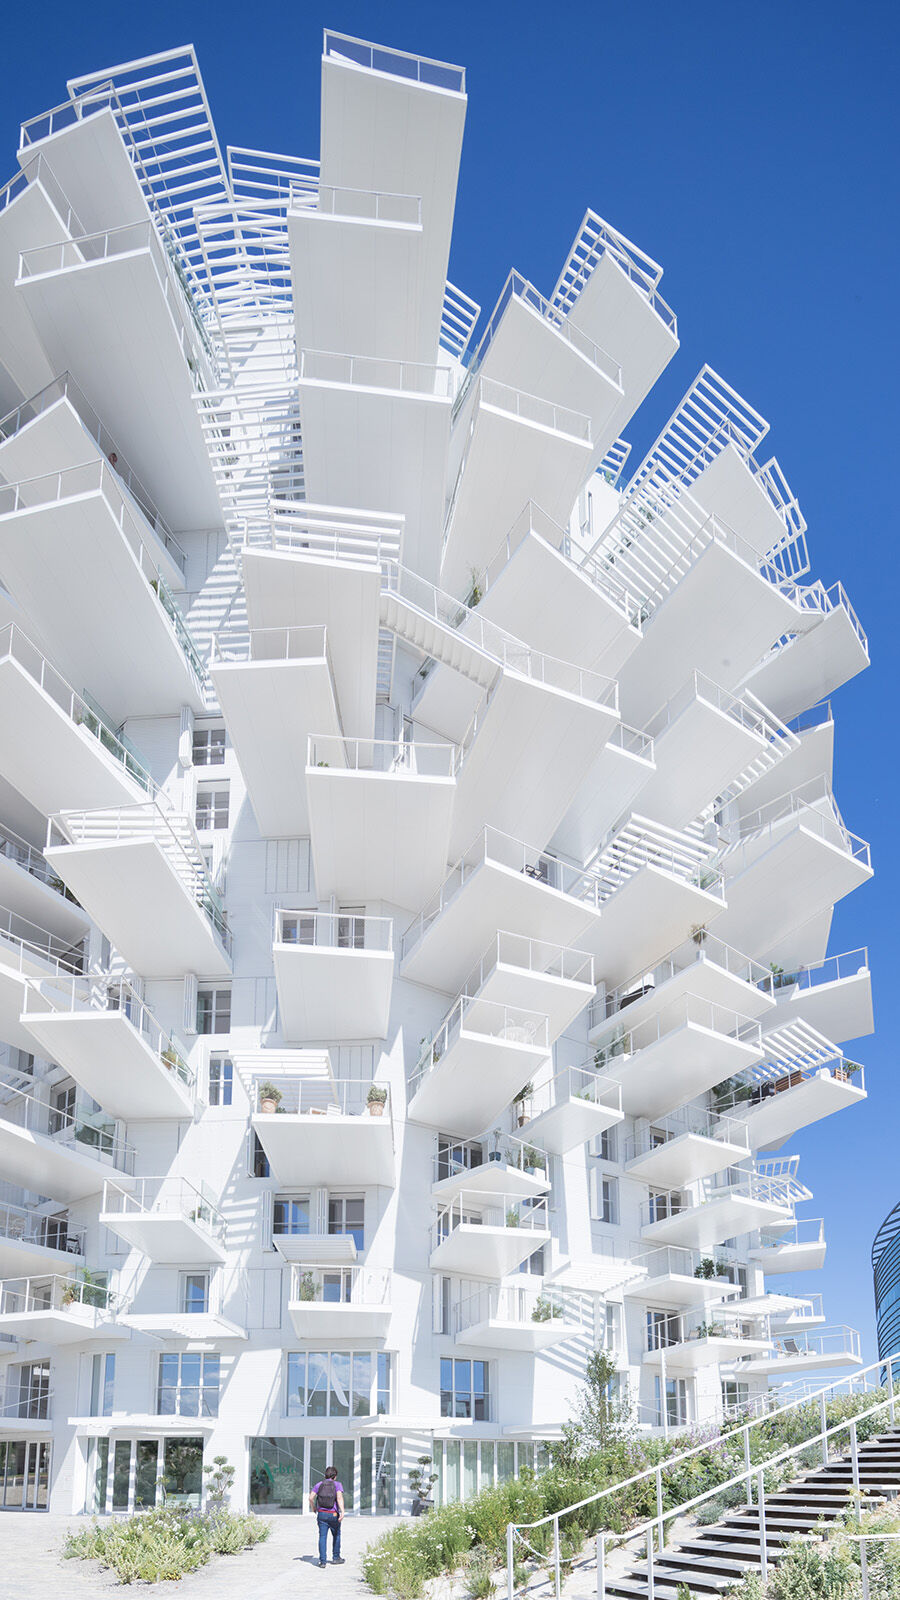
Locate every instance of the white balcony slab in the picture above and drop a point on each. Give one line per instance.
(724, 1216)
(811, 761)
(379, 835)
(18, 963)
(357, 275)
(29, 220)
(610, 790)
(560, 999)
(789, 1256)
(473, 1082)
(293, 589)
(32, 897)
(368, 444)
(49, 757)
(92, 166)
(612, 311)
(652, 911)
(677, 1289)
(685, 1158)
(191, 1327)
(528, 1336)
(382, 129)
(327, 993)
(787, 876)
(167, 1238)
(110, 1058)
(25, 1258)
(270, 710)
(729, 489)
(775, 1118)
(697, 756)
(481, 1250)
(783, 1362)
(716, 1350)
(719, 619)
(316, 1320)
(841, 1009)
(61, 1325)
(682, 1063)
(705, 978)
(64, 1169)
(333, 1149)
(132, 891)
(533, 746)
(491, 1177)
(510, 458)
(492, 896)
(569, 1122)
(811, 667)
(109, 321)
(75, 572)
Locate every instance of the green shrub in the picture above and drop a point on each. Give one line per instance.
(479, 1574)
(164, 1543)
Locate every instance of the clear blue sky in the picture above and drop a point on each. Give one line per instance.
(753, 150)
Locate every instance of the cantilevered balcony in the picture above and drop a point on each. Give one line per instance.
(339, 1302)
(493, 1165)
(35, 1239)
(707, 741)
(33, 211)
(139, 872)
(676, 1055)
(474, 1064)
(824, 647)
(380, 816)
(710, 1338)
(507, 1317)
(375, 433)
(363, 275)
(394, 122)
(703, 967)
(67, 1154)
(786, 1312)
(810, 759)
(609, 792)
(833, 995)
(334, 973)
(537, 585)
(671, 1275)
(30, 888)
(275, 687)
(488, 1235)
(498, 882)
(76, 554)
(804, 1352)
(802, 1079)
(791, 861)
(609, 291)
(112, 307)
(512, 446)
(317, 1129)
(104, 1034)
(169, 1220)
(517, 971)
(796, 1247)
(721, 1211)
(322, 567)
(59, 1310)
(685, 1147)
(571, 1107)
(27, 952)
(58, 750)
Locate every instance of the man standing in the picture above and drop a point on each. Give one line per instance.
(327, 1501)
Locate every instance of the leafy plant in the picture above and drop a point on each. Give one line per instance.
(376, 1096)
(270, 1091)
(479, 1570)
(219, 1479)
(166, 1542)
(307, 1288)
(545, 1309)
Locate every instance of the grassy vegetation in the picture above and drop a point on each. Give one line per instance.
(830, 1569)
(166, 1542)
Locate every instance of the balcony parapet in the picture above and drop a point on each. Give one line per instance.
(56, 1293)
(177, 1198)
(422, 70)
(362, 205)
(595, 239)
(29, 858)
(518, 288)
(705, 947)
(38, 171)
(331, 930)
(487, 1019)
(21, 939)
(90, 1132)
(102, 994)
(339, 1285)
(629, 1042)
(396, 758)
(376, 372)
(24, 1225)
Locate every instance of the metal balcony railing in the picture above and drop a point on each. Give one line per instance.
(319, 1095)
(532, 520)
(526, 1305)
(57, 1293)
(22, 854)
(785, 1192)
(690, 1120)
(21, 939)
(805, 1230)
(16, 647)
(394, 63)
(23, 1225)
(377, 372)
(339, 1285)
(831, 969)
(353, 536)
(670, 1260)
(530, 955)
(640, 842)
(175, 1197)
(809, 1309)
(244, 645)
(102, 992)
(702, 947)
(473, 1208)
(573, 1083)
(518, 288)
(65, 388)
(688, 1010)
(828, 1344)
(89, 1131)
(594, 240)
(38, 171)
(486, 1019)
(468, 1155)
(333, 930)
(701, 1326)
(764, 1083)
(364, 205)
(458, 319)
(391, 757)
(813, 805)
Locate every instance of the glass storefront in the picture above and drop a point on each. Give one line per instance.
(464, 1467)
(132, 1474)
(283, 1471)
(24, 1474)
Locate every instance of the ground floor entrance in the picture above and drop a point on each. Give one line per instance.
(284, 1470)
(24, 1474)
(132, 1474)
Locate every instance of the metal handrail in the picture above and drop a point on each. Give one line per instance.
(308, 642)
(54, 1292)
(688, 1009)
(476, 1208)
(396, 63)
(166, 1196)
(103, 992)
(26, 1226)
(514, 1303)
(93, 1130)
(703, 947)
(16, 849)
(370, 205)
(389, 757)
(518, 287)
(355, 1285)
(333, 930)
(537, 956)
(690, 1120)
(377, 372)
(27, 938)
(486, 1018)
(573, 1083)
(308, 1094)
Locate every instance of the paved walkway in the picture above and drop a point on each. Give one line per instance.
(32, 1568)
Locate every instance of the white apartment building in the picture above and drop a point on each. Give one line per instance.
(417, 838)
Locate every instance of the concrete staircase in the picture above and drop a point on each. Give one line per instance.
(712, 1559)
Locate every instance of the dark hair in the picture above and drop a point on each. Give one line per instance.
(331, 1472)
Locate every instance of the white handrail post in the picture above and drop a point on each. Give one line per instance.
(601, 1566)
(854, 1457)
(651, 1582)
(761, 1497)
(510, 1561)
(891, 1389)
(864, 1569)
(556, 1572)
(746, 1433)
(662, 1391)
(659, 1504)
(824, 1418)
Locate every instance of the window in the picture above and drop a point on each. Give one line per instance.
(612, 1338)
(346, 1214)
(606, 1198)
(188, 1384)
(351, 928)
(734, 1393)
(663, 1329)
(465, 1389)
(28, 1390)
(338, 1383)
(213, 1010)
(221, 1077)
(298, 929)
(290, 1214)
(605, 1145)
(456, 1155)
(534, 1263)
(63, 1107)
(209, 747)
(676, 1402)
(211, 808)
(103, 1377)
(195, 1291)
(259, 1161)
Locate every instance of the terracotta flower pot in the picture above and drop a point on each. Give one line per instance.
(376, 1108)
(269, 1106)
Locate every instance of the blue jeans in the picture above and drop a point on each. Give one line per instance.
(326, 1520)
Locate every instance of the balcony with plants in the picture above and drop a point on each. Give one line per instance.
(709, 1337)
(339, 1302)
(170, 1220)
(676, 1055)
(487, 1235)
(514, 1317)
(318, 1129)
(474, 1063)
(564, 1111)
(54, 1151)
(61, 1310)
(37, 1238)
(497, 1163)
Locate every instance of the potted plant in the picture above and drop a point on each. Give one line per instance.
(512, 1217)
(421, 1481)
(308, 1288)
(375, 1100)
(519, 1104)
(545, 1310)
(532, 1160)
(698, 933)
(269, 1098)
(706, 1269)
